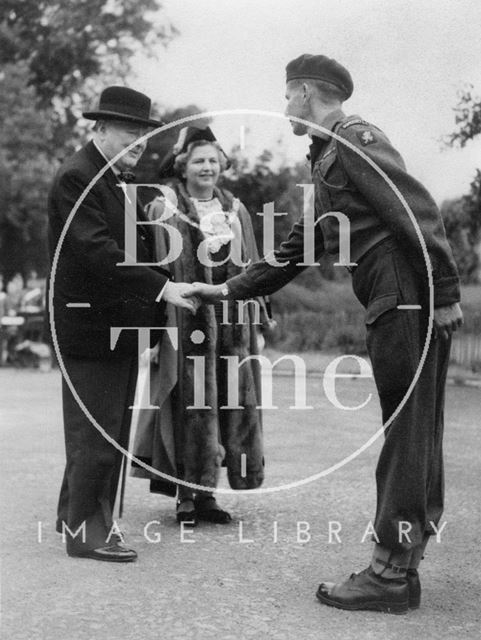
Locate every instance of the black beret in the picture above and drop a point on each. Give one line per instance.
(323, 68)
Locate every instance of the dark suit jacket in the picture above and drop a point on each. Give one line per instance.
(87, 270)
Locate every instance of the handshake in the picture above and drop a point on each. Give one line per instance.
(191, 296)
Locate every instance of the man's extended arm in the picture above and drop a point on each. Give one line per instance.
(269, 274)
(89, 238)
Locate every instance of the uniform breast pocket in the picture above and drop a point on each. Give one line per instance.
(330, 183)
(324, 166)
(331, 174)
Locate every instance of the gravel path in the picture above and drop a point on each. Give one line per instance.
(216, 586)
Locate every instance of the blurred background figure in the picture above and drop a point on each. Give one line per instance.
(33, 295)
(3, 330)
(15, 288)
(3, 298)
(22, 309)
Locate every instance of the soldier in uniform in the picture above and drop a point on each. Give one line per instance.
(389, 270)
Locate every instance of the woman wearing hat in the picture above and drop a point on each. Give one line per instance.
(189, 438)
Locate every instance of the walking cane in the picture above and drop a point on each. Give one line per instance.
(123, 469)
(123, 472)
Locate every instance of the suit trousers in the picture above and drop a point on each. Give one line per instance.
(91, 478)
(409, 473)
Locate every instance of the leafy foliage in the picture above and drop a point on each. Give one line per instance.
(463, 217)
(26, 170)
(468, 118)
(56, 55)
(261, 184)
(160, 145)
(267, 181)
(329, 318)
(66, 42)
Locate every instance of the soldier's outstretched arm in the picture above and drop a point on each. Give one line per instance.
(275, 270)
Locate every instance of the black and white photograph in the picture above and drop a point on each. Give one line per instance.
(240, 319)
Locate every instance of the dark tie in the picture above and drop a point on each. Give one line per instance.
(127, 176)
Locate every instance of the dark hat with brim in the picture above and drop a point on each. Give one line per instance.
(122, 103)
(318, 67)
(187, 135)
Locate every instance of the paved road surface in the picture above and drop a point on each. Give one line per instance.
(217, 587)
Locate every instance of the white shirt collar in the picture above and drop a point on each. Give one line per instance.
(115, 170)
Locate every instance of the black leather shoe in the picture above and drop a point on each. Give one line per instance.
(111, 553)
(414, 588)
(366, 591)
(186, 512)
(208, 510)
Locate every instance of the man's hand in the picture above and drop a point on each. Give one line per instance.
(182, 295)
(150, 355)
(447, 320)
(207, 292)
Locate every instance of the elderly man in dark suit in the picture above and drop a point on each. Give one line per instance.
(92, 293)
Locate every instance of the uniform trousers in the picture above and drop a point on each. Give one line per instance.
(90, 482)
(409, 473)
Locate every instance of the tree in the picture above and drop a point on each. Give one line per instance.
(462, 236)
(26, 170)
(472, 208)
(66, 42)
(259, 183)
(467, 119)
(69, 45)
(160, 145)
(463, 218)
(267, 180)
(55, 56)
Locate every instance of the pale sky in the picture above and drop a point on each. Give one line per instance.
(407, 59)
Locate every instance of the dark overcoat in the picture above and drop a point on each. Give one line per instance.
(87, 269)
(178, 439)
(87, 248)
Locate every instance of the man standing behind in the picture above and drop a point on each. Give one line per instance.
(92, 293)
(390, 272)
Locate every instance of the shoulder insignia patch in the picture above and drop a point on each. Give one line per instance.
(351, 123)
(366, 137)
